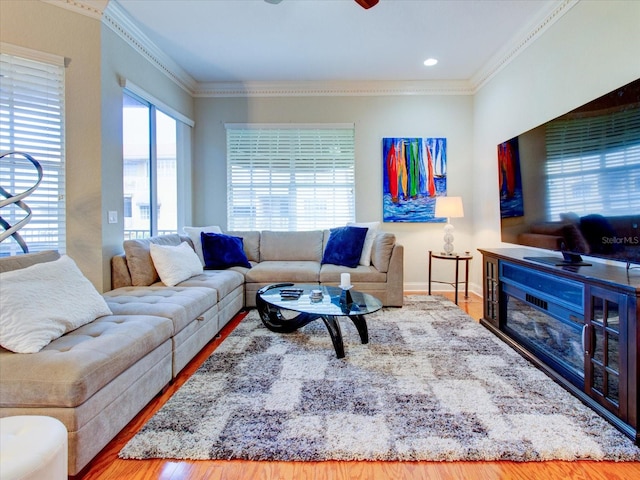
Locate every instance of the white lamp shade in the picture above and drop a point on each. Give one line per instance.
(449, 207)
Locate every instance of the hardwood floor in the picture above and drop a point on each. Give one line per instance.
(107, 465)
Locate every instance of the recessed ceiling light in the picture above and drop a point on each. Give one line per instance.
(430, 62)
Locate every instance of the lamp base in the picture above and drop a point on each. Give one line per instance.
(448, 239)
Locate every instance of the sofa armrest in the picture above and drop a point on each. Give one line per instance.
(381, 251)
(120, 276)
(17, 262)
(395, 277)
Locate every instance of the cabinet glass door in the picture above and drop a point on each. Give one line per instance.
(603, 348)
(491, 292)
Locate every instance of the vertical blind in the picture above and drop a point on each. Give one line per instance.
(290, 179)
(32, 121)
(594, 164)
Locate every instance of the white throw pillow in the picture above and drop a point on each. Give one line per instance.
(175, 263)
(365, 257)
(194, 235)
(43, 302)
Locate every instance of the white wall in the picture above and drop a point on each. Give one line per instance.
(593, 49)
(374, 118)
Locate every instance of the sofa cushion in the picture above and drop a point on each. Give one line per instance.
(284, 271)
(382, 250)
(372, 231)
(330, 274)
(345, 246)
(120, 275)
(74, 367)
(23, 261)
(180, 304)
(222, 282)
(223, 251)
(194, 235)
(43, 302)
(250, 243)
(139, 257)
(291, 246)
(175, 264)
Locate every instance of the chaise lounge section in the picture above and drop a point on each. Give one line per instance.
(94, 379)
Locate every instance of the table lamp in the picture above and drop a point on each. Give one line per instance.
(449, 207)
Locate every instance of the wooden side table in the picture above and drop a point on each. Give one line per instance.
(443, 256)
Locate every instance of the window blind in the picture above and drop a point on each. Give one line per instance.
(289, 179)
(593, 164)
(32, 121)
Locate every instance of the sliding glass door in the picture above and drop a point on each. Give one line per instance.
(150, 176)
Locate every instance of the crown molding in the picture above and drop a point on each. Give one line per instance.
(521, 41)
(114, 16)
(89, 8)
(332, 88)
(119, 21)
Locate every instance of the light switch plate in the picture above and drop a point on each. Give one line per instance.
(113, 216)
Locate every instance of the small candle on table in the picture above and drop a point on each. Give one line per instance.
(345, 280)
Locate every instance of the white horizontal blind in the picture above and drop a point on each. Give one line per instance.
(32, 121)
(289, 179)
(593, 164)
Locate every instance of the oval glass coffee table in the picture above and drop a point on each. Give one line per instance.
(271, 301)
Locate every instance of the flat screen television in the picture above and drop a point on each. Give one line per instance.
(572, 185)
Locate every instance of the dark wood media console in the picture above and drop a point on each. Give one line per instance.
(579, 324)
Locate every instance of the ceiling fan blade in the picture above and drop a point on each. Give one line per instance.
(366, 4)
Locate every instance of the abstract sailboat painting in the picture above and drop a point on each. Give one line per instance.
(511, 201)
(414, 174)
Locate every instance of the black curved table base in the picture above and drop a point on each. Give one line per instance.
(273, 319)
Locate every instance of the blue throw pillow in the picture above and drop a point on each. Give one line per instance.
(222, 251)
(344, 246)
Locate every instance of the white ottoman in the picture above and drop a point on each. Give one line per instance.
(33, 447)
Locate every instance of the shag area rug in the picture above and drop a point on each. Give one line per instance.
(432, 384)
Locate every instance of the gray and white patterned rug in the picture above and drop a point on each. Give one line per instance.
(432, 384)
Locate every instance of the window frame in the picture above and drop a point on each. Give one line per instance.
(183, 132)
(32, 113)
(290, 177)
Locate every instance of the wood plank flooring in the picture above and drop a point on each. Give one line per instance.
(107, 465)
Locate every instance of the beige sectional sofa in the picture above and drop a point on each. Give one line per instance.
(96, 378)
(288, 257)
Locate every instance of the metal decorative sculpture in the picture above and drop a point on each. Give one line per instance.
(11, 199)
